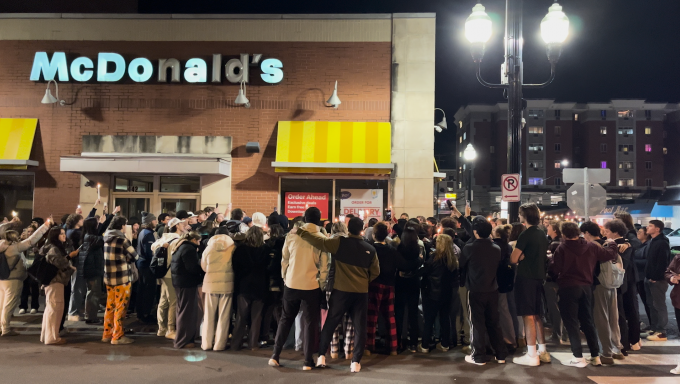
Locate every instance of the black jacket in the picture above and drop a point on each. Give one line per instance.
(250, 271)
(186, 266)
(406, 281)
(630, 277)
(640, 258)
(438, 281)
(658, 258)
(274, 268)
(91, 256)
(631, 236)
(390, 260)
(480, 260)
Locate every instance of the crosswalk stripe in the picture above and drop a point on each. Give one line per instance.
(633, 380)
(631, 359)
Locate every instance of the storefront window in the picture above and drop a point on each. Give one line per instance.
(299, 194)
(180, 184)
(178, 205)
(361, 197)
(16, 195)
(134, 183)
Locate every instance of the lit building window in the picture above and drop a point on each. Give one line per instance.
(648, 148)
(626, 131)
(625, 114)
(603, 164)
(626, 183)
(648, 130)
(603, 130)
(536, 130)
(535, 181)
(665, 151)
(558, 165)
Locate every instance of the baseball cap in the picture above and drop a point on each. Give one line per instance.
(174, 221)
(247, 220)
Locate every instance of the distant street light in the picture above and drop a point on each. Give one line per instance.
(469, 155)
(554, 31)
(565, 162)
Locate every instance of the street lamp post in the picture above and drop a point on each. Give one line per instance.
(470, 154)
(478, 29)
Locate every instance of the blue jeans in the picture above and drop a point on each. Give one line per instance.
(78, 291)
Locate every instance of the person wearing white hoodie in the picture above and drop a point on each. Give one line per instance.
(167, 304)
(10, 290)
(218, 287)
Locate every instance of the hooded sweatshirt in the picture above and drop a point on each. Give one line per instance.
(217, 264)
(118, 254)
(13, 253)
(658, 258)
(575, 260)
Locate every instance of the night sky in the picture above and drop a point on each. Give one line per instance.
(617, 49)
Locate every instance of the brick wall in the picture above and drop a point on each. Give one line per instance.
(128, 108)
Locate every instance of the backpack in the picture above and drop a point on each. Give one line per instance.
(234, 227)
(5, 270)
(42, 271)
(159, 262)
(611, 273)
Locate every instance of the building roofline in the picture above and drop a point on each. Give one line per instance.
(179, 16)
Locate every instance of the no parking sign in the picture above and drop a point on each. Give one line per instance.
(511, 188)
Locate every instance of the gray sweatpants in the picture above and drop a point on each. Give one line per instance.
(606, 316)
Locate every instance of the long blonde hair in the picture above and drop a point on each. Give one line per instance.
(444, 252)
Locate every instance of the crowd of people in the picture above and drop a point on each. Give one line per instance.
(230, 280)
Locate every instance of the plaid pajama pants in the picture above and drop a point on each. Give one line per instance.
(348, 325)
(381, 301)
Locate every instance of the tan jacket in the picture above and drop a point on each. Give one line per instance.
(216, 262)
(303, 266)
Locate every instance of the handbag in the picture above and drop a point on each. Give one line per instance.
(42, 271)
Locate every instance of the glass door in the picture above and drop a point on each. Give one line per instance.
(132, 207)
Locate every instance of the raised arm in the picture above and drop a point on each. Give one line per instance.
(320, 242)
(34, 238)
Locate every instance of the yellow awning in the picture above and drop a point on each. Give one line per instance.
(333, 147)
(16, 142)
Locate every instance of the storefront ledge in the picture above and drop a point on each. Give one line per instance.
(283, 164)
(147, 165)
(13, 162)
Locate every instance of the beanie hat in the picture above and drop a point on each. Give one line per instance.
(147, 218)
(182, 215)
(259, 219)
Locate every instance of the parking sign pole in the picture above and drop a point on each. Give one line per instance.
(586, 192)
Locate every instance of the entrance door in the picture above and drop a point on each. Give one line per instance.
(132, 207)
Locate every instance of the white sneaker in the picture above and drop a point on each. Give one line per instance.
(321, 361)
(355, 367)
(34, 311)
(170, 335)
(635, 347)
(544, 357)
(423, 350)
(469, 359)
(22, 311)
(576, 362)
(442, 348)
(594, 361)
(676, 371)
(527, 360)
(273, 363)
(500, 361)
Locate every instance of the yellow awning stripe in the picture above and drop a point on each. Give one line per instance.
(16, 139)
(333, 142)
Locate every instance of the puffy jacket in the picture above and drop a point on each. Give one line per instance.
(185, 266)
(303, 266)
(13, 253)
(250, 267)
(59, 259)
(658, 258)
(91, 257)
(217, 265)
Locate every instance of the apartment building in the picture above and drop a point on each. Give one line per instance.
(629, 137)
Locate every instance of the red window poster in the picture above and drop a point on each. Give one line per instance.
(298, 202)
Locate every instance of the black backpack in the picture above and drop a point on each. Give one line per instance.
(42, 271)
(5, 270)
(159, 262)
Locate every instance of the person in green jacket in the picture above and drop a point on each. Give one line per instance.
(353, 266)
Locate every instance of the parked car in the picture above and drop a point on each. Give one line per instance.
(674, 239)
(667, 231)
